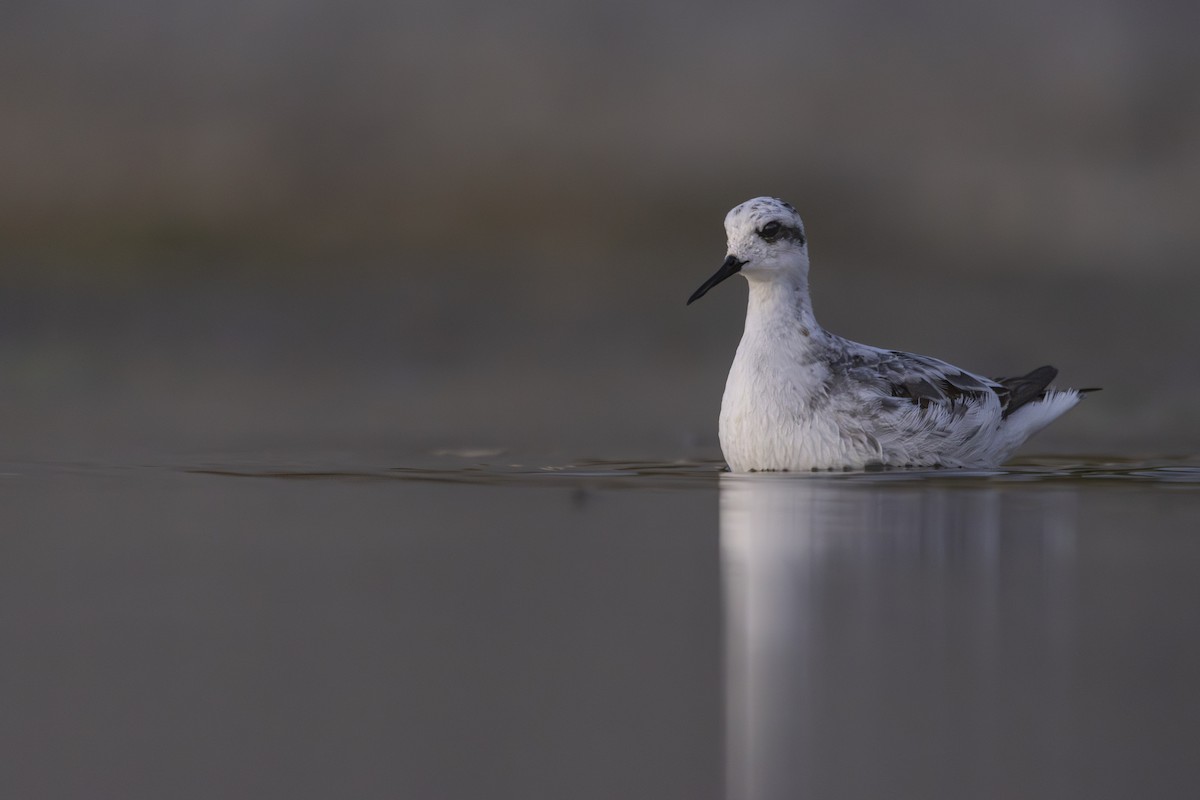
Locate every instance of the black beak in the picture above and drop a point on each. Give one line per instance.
(731, 267)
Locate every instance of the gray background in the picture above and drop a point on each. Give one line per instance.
(456, 224)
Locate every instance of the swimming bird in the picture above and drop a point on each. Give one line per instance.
(801, 398)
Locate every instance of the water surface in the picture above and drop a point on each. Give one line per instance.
(475, 623)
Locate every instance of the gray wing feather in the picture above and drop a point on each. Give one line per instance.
(923, 381)
(899, 378)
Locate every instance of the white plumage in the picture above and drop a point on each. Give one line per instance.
(801, 398)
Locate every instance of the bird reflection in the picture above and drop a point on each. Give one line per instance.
(893, 639)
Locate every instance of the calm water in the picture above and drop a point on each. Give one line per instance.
(475, 625)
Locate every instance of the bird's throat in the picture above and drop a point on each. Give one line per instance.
(781, 308)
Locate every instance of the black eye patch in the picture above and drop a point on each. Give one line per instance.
(775, 230)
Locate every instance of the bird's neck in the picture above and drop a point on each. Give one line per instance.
(780, 307)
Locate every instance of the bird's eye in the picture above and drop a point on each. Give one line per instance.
(770, 230)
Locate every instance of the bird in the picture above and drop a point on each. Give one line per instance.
(800, 398)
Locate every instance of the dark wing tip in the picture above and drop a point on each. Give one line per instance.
(1043, 375)
(1026, 388)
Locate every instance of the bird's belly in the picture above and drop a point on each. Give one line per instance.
(774, 422)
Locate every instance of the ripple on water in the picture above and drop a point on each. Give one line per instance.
(477, 466)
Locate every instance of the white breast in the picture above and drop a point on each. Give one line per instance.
(771, 412)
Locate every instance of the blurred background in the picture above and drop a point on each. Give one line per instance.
(267, 225)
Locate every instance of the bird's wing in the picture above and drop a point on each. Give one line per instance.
(897, 378)
(1026, 388)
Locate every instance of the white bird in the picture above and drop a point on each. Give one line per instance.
(801, 398)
